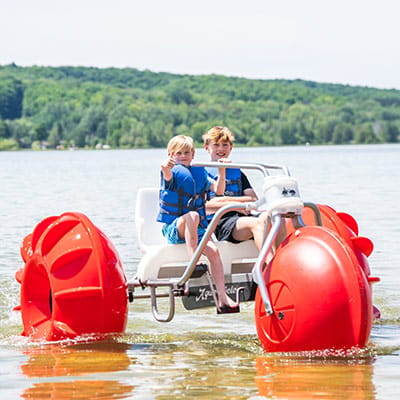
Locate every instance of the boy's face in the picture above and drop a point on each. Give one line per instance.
(222, 149)
(183, 156)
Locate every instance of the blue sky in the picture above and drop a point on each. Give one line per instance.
(344, 41)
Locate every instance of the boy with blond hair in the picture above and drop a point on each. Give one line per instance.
(183, 191)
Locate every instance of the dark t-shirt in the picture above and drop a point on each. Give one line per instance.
(245, 182)
(225, 226)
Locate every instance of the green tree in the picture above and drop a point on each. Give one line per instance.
(365, 134)
(180, 95)
(11, 97)
(132, 108)
(56, 135)
(342, 133)
(391, 133)
(8, 144)
(4, 130)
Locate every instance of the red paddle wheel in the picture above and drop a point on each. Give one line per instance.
(319, 284)
(73, 282)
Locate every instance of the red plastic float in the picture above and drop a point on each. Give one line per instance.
(320, 287)
(73, 282)
(346, 227)
(320, 296)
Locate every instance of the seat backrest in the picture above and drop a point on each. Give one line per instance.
(148, 229)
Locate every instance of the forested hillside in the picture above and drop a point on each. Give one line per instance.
(62, 107)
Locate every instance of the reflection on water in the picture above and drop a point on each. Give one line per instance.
(55, 360)
(193, 366)
(181, 361)
(78, 390)
(83, 359)
(332, 379)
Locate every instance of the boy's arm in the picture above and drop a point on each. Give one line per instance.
(249, 192)
(246, 187)
(219, 188)
(216, 203)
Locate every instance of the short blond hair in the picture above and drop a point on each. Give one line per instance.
(180, 142)
(218, 134)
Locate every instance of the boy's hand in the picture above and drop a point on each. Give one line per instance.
(166, 167)
(169, 163)
(222, 171)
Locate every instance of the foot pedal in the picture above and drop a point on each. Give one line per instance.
(199, 270)
(225, 309)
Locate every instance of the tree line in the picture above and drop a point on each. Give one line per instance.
(84, 107)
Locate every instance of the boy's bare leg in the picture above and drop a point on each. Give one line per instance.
(250, 227)
(217, 272)
(187, 228)
(247, 228)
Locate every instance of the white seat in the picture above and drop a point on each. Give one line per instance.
(163, 260)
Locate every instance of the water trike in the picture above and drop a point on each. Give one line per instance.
(313, 292)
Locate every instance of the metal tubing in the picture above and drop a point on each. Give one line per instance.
(298, 222)
(148, 296)
(317, 213)
(258, 267)
(210, 229)
(261, 167)
(213, 291)
(154, 307)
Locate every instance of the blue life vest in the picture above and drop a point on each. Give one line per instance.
(233, 181)
(188, 192)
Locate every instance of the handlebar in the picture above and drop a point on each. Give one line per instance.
(263, 168)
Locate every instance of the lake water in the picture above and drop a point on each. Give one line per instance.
(199, 354)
